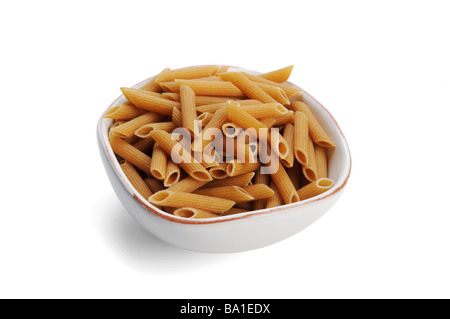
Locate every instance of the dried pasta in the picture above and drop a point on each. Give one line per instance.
(237, 124)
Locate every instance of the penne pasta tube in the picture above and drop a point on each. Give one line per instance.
(144, 144)
(130, 154)
(171, 96)
(187, 73)
(285, 186)
(288, 135)
(315, 188)
(181, 157)
(188, 112)
(239, 180)
(206, 100)
(123, 112)
(145, 130)
(188, 212)
(301, 138)
(210, 78)
(320, 153)
(205, 118)
(155, 185)
(172, 175)
(127, 129)
(187, 185)
(159, 162)
(235, 168)
(135, 179)
(289, 90)
(279, 76)
(231, 130)
(219, 171)
(247, 87)
(176, 117)
(260, 179)
(276, 200)
(268, 121)
(234, 193)
(219, 119)
(275, 92)
(310, 170)
(233, 211)
(223, 68)
(265, 110)
(148, 101)
(212, 108)
(170, 87)
(259, 191)
(316, 131)
(179, 199)
(240, 117)
(288, 118)
(214, 88)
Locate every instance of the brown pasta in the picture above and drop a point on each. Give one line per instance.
(235, 119)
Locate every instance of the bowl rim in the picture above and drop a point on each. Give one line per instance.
(106, 147)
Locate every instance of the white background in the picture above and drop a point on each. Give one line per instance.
(381, 68)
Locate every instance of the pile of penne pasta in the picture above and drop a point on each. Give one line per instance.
(201, 180)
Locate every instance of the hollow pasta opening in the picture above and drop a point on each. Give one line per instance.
(283, 149)
(157, 174)
(301, 157)
(160, 196)
(324, 182)
(230, 168)
(310, 174)
(294, 198)
(282, 109)
(172, 178)
(218, 173)
(202, 176)
(186, 213)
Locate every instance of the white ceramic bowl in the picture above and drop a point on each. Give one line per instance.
(235, 232)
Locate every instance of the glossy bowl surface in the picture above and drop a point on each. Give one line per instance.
(232, 233)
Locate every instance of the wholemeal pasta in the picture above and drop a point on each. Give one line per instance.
(127, 129)
(246, 86)
(288, 135)
(280, 75)
(159, 162)
(173, 173)
(179, 199)
(124, 112)
(189, 212)
(130, 154)
(188, 112)
(213, 141)
(310, 170)
(263, 179)
(315, 188)
(276, 199)
(149, 101)
(135, 179)
(301, 139)
(181, 157)
(145, 130)
(215, 88)
(187, 73)
(212, 108)
(316, 131)
(234, 193)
